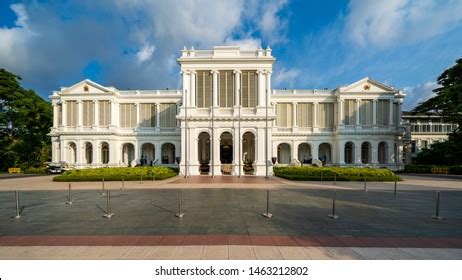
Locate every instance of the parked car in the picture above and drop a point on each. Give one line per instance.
(57, 167)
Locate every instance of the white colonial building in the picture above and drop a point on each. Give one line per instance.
(227, 119)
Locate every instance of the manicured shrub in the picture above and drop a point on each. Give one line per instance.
(36, 170)
(309, 173)
(116, 174)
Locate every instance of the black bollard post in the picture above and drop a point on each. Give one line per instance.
(394, 190)
(16, 194)
(267, 214)
(437, 210)
(180, 214)
(365, 183)
(109, 212)
(69, 196)
(333, 215)
(103, 193)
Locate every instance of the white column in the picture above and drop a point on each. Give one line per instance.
(261, 89)
(54, 149)
(114, 113)
(293, 151)
(215, 88)
(79, 151)
(374, 151)
(80, 113)
(137, 153)
(341, 152)
(158, 152)
(157, 115)
(184, 84)
(55, 115)
(358, 102)
(315, 151)
(192, 90)
(374, 112)
(64, 114)
(294, 114)
(340, 112)
(315, 117)
(137, 122)
(237, 87)
(390, 120)
(357, 151)
(96, 153)
(268, 87)
(216, 154)
(96, 107)
(63, 149)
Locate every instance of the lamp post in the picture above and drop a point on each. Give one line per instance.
(186, 134)
(266, 135)
(239, 131)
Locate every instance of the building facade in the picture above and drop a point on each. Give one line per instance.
(227, 119)
(424, 130)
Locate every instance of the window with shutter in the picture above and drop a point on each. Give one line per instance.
(168, 114)
(147, 115)
(203, 89)
(226, 89)
(325, 115)
(104, 113)
(383, 112)
(72, 113)
(304, 114)
(60, 114)
(349, 112)
(88, 113)
(365, 112)
(127, 115)
(249, 88)
(284, 114)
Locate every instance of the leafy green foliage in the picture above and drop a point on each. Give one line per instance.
(427, 169)
(25, 120)
(116, 174)
(309, 173)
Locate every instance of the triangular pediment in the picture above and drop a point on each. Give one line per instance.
(367, 85)
(85, 87)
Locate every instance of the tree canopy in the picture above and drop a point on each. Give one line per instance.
(448, 100)
(25, 120)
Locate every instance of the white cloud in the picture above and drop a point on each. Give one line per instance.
(386, 23)
(286, 78)
(145, 53)
(417, 94)
(245, 44)
(273, 25)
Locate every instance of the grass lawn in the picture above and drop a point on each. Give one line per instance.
(116, 174)
(309, 173)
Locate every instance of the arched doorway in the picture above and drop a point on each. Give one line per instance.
(104, 153)
(71, 153)
(325, 153)
(128, 154)
(203, 148)
(168, 153)
(248, 152)
(304, 153)
(284, 153)
(349, 152)
(226, 153)
(383, 153)
(88, 153)
(147, 154)
(366, 152)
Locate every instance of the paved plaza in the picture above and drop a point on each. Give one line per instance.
(223, 219)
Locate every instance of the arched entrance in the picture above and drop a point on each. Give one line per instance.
(226, 153)
(88, 153)
(104, 153)
(128, 154)
(147, 154)
(349, 152)
(71, 153)
(284, 153)
(325, 153)
(366, 152)
(248, 152)
(168, 153)
(383, 153)
(203, 147)
(304, 153)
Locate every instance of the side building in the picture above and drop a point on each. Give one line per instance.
(227, 119)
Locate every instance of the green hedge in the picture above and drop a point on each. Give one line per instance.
(420, 168)
(309, 173)
(116, 174)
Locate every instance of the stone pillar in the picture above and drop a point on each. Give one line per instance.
(261, 89)
(158, 152)
(293, 151)
(358, 104)
(55, 116)
(157, 116)
(390, 120)
(341, 152)
(315, 151)
(96, 108)
(237, 88)
(64, 114)
(96, 153)
(268, 87)
(315, 116)
(80, 113)
(185, 87)
(63, 149)
(192, 100)
(358, 152)
(215, 88)
(374, 112)
(294, 114)
(340, 112)
(374, 151)
(54, 149)
(114, 113)
(136, 158)
(79, 151)
(216, 154)
(137, 121)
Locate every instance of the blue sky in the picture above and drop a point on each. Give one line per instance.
(318, 44)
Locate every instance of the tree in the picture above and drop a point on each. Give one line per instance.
(25, 120)
(448, 100)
